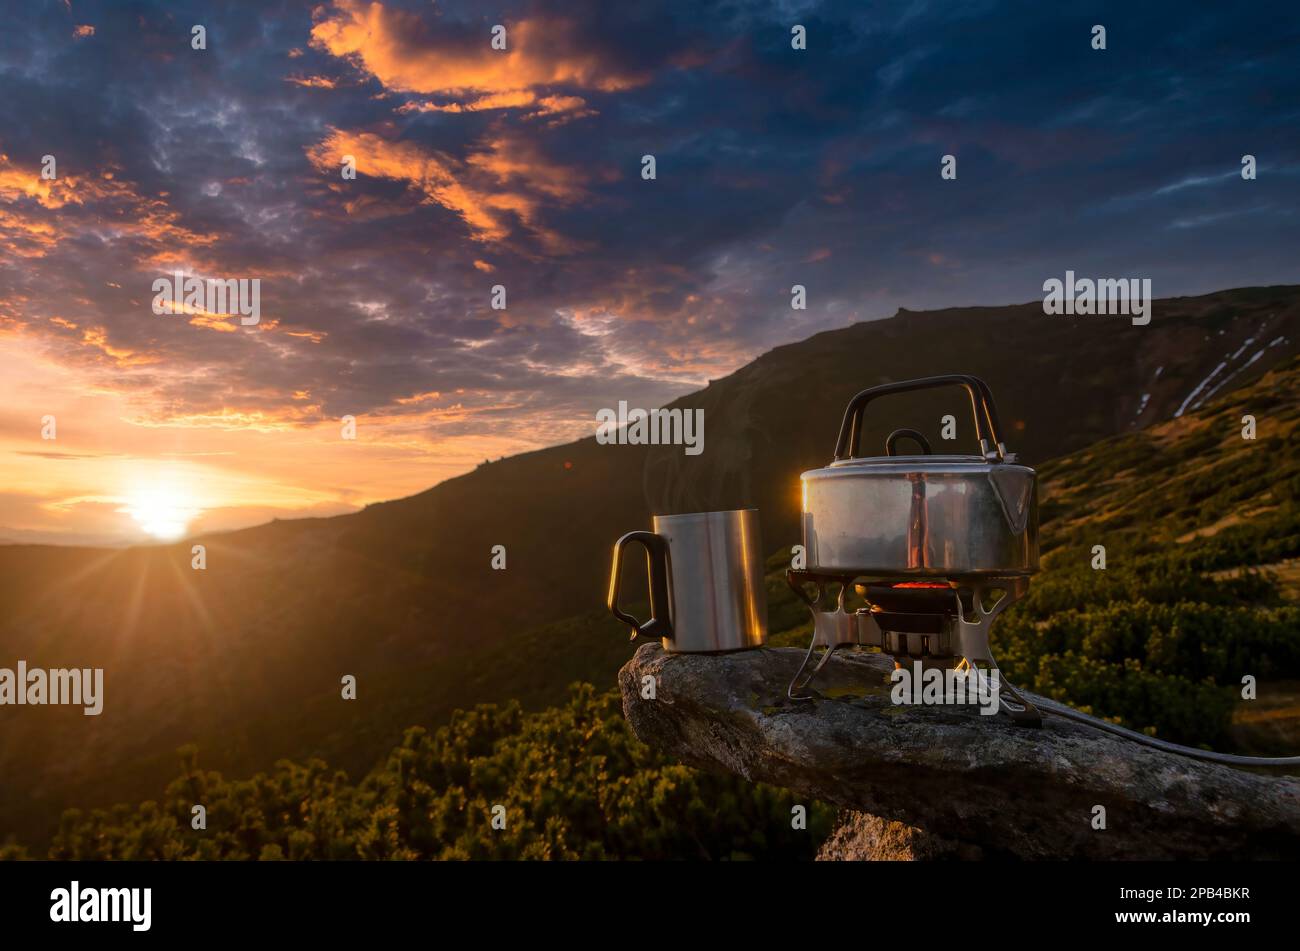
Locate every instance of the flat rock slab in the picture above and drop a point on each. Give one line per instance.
(1004, 789)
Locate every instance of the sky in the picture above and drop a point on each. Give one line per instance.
(523, 168)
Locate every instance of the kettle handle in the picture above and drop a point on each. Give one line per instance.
(891, 441)
(981, 402)
(656, 550)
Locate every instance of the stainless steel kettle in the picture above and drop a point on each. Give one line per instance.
(924, 515)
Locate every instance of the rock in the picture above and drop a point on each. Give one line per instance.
(946, 781)
(859, 837)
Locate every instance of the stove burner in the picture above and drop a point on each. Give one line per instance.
(939, 623)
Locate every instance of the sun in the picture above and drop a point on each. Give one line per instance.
(162, 510)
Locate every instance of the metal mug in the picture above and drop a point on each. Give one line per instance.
(706, 582)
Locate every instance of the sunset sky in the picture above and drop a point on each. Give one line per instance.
(523, 168)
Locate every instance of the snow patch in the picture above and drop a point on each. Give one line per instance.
(1199, 386)
(1249, 341)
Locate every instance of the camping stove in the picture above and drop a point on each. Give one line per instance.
(936, 546)
(937, 624)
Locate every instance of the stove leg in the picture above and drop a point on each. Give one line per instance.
(831, 630)
(973, 645)
(800, 683)
(1022, 712)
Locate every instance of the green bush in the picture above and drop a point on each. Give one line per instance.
(574, 782)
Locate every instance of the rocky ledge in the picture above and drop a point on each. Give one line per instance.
(933, 782)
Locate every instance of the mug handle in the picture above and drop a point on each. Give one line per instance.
(656, 550)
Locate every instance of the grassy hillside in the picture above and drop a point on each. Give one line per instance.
(245, 658)
(1201, 529)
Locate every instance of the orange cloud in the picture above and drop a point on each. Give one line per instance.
(432, 395)
(399, 50)
(97, 338)
(219, 322)
(509, 159)
(17, 182)
(226, 418)
(566, 108)
(506, 179)
(25, 236)
(514, 99)
(312, 82)
(28, 231)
